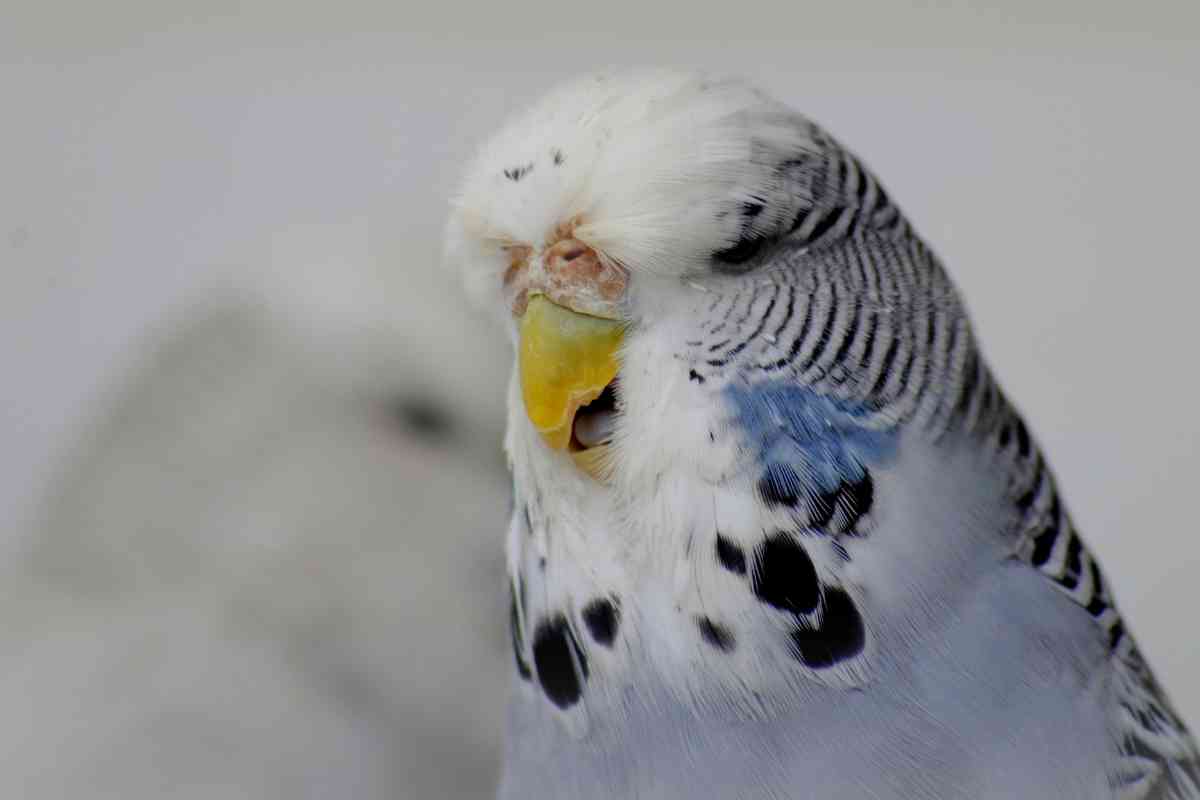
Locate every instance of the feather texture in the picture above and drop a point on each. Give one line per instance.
(840, 560)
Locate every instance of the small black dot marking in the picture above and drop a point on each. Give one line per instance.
(840, 636)
(518, 643)
(784, 575)
(731, 556)
(695, 376)
(715, 634)
(780, 486)
(516, 173)
(555, 651)
(559, 158)
(602, 617)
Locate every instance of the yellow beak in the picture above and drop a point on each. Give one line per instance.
(566, 360)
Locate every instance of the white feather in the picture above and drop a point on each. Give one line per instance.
(652, 164)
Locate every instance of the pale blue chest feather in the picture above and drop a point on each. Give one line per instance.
(800, 436)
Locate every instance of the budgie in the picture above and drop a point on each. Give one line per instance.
(776, 530)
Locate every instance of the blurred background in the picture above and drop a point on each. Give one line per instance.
(251, 489)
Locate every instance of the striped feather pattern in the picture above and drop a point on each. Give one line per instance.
(856, 306)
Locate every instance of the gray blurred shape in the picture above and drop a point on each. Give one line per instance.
(263, 578)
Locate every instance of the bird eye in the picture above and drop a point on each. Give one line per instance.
(750, 242)
(745, 249)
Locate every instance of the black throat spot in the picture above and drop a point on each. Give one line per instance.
(555, 652)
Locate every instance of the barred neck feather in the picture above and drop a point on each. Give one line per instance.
(788, 334)
(865, 313)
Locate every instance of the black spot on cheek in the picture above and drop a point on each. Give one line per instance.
(602, 617)
(784, 576)
(839, 637)
(780, 486)
(555, 652)
(715, 634)
(731, 555)
(558, 157)
(695, 376)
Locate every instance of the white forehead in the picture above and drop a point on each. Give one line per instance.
(649, 162)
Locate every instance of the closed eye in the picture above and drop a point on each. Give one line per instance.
(741, 252)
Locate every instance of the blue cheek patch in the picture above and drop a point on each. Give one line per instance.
(805, 441)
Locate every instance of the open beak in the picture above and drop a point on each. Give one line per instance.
(567, 359)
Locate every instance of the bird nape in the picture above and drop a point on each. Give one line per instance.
(777, 531)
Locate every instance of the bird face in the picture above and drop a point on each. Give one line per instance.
(566, 301)
(592, 223)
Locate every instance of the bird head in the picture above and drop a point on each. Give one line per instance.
(599, 226)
